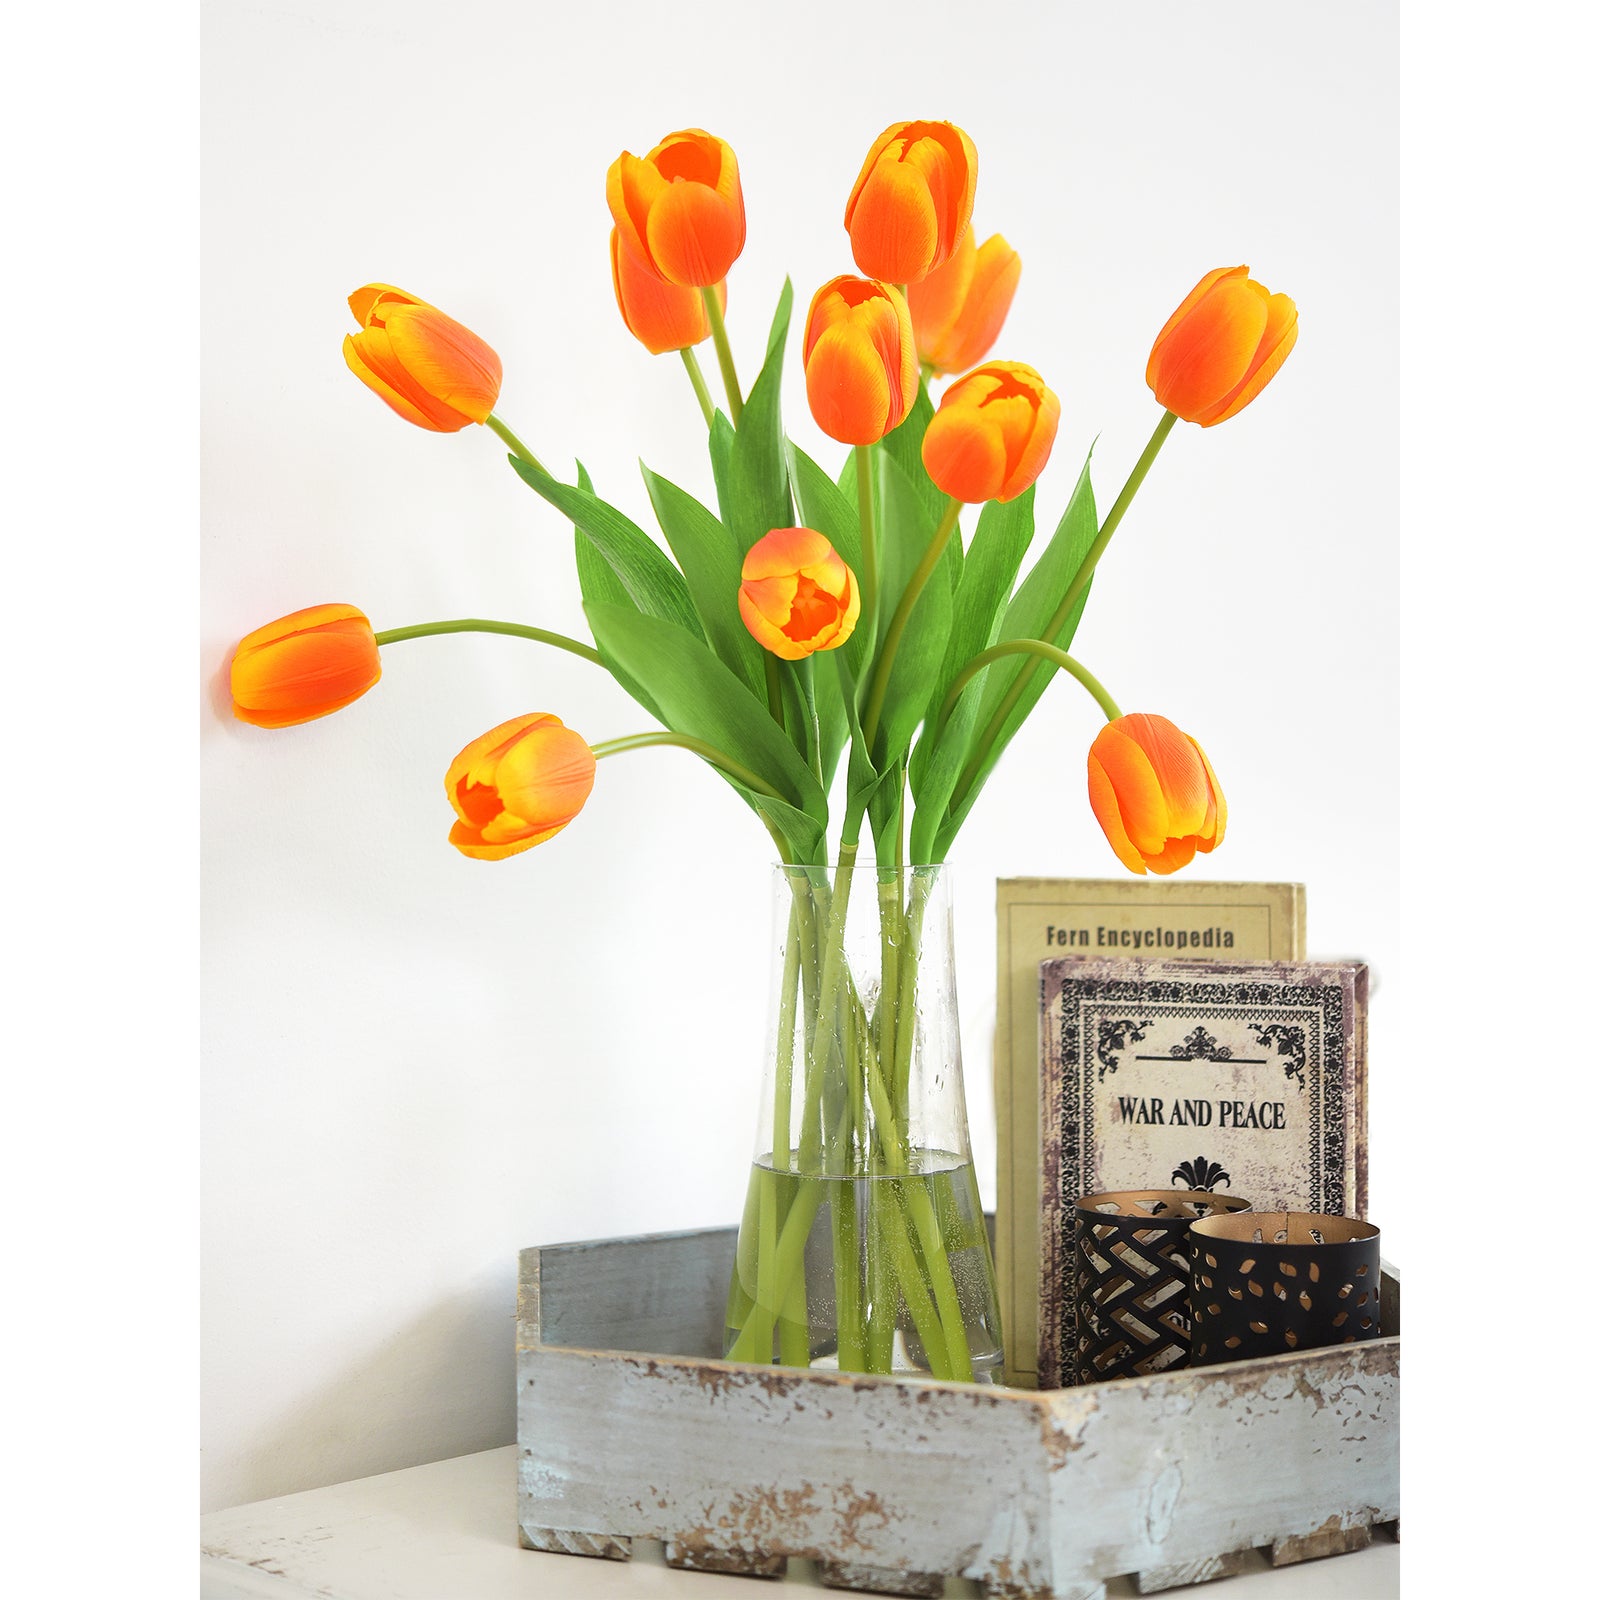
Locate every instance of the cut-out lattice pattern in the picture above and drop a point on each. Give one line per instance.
(1131, 1279)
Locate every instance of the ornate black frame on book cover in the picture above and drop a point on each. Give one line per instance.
(1243, 1078)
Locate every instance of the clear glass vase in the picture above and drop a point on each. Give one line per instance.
(863, 1245)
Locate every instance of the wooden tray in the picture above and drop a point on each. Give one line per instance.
(628, 1426)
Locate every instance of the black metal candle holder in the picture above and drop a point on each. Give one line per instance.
(1131, 1279)
(1281, 1280)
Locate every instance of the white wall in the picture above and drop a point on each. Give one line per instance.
(414, 1063)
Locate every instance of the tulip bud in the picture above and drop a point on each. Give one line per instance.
(518, 785)
(992, 433)
(797, 595)
(429, 368)
(1220, 348)
(680, 210)
(959, 308)
(860, 360)
(303, 666)
(1154, 794)
(912, 201)
(662, 316)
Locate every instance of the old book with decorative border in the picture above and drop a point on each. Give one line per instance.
(1244, 1077)
(1042, 917)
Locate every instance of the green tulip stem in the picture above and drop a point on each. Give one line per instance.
(719, 335)
(707, 752)
(423, 630)
(691, 365)
(1016, 647)
(869, 542)
(901, 617)
(518, 448)
(1080, 582)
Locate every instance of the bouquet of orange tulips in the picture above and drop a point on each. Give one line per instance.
(814, 619)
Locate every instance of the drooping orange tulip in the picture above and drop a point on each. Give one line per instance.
(1220, 348)
(680, 210)
(303, 666)
(429, 368)
(1154, 793)
(518, 785)
(958, 309)
(662, 316)
(992, 433)
(912, 201)
(860, 358)
(797, 595)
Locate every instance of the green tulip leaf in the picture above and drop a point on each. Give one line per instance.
(1028, 617)
(651, 581)
(702, 698)
(705, 552)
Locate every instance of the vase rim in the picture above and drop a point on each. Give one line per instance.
(861, 866)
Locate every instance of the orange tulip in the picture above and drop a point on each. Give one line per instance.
(680, 210)
(660, 315)
(429, 368)
(913, 200)
(1154, 793)
(992, 433)
(518, 785)
(958, 308)
(860, 359)
(303, 666)
(1221, 347)
(797, 595)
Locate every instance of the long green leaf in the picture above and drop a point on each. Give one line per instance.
(652, 583)
(753, 478)
(825, 507)
(600, 585)
(1002, 538)
(904, 447)
(1028, 617)
(701, 697)
(710, 565)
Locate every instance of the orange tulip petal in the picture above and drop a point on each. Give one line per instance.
(1140, 800)
(847, 387)
(964, 455)
(1177, 853)
(546, 777)
(1283, 328)
(1103, 802)
(1216, 824)
(894, 228)
(1182, 776)
(367, 355)
(1190, 301)
(997, 271)
(937, 300)
(445, 360)
(472, 843)
(366, 299)
(303, 666)
(1209, 354)
(784, 552)
(662, 316)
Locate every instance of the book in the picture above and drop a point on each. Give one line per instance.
(1246, 1078)
(1038, 918)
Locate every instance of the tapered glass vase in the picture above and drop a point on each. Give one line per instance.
(863, 1245)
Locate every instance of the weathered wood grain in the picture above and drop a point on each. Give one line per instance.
(1036, 1495)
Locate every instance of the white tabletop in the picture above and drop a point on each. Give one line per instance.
(448, 1531)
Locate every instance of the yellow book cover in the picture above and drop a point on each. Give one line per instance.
(1038, 918)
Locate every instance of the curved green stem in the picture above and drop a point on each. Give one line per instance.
(902, 616)
(1031, 647)
(869, 540)
(425, 630)
(719, 336)
(1079, 583)
(495, 425)
(691, 365)
(706, 752)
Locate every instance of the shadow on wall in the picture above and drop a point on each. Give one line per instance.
(443, 1386)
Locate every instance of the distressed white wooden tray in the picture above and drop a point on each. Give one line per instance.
(629, 1426)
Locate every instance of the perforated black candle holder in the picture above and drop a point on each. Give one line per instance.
(1131, 1279)
(1281, 1280)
